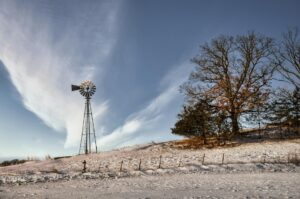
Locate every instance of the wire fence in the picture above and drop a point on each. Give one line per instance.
(165, 162)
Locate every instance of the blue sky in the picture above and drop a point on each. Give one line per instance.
(136, 51)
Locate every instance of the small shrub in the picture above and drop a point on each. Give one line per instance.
(294, 159)
(32, 158)
(54, 170)
(12, 162)
(48, 157)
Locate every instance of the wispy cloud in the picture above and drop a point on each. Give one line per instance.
(153, 122)
(43, 61)
(44, 58)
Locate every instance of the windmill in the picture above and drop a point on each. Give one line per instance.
(88, 135)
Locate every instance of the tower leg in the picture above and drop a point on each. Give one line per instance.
(94, 130)
(87, 130)
(82, 140)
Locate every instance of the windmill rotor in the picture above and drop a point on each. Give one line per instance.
(87, 88)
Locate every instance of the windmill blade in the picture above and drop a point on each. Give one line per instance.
(75, 87)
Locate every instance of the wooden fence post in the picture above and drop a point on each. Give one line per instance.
(84, 166)
(223, 158)
(140, 164)
(159, 165)
(203, 158)
(121, 166)
(179, 164)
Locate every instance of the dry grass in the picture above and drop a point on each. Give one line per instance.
(270, 133)
(196, 143)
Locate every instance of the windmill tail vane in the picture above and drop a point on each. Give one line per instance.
(88, 141)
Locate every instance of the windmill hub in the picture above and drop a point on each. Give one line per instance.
(87, 89)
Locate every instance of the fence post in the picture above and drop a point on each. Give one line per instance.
(203, 158)
(159, 165)
(140, 164)
(121, 166)
(84, 166)
(179, 163)
(223, 158)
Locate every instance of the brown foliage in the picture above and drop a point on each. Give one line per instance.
(196, 143)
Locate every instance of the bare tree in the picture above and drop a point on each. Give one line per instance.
(233, 71)
(289, 57)
(285, 108)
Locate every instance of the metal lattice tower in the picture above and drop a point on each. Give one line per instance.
(88, 135)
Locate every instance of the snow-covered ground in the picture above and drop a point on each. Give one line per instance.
(180, 170)
(189, 186)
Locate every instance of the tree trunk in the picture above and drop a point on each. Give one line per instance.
(204, 137)
(234, 124)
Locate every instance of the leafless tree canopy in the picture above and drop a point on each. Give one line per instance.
(289, 56)
(233, 71)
